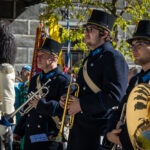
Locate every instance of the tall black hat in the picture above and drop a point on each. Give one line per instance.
(142, 32)
(101, 19)
(50, 46)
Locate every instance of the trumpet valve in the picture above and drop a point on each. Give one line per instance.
(70, 101)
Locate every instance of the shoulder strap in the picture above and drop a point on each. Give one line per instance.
(88, 80)
(38, 84)
(55, 118)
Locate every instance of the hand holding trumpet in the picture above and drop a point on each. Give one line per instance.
(34, 101)
(74, 107)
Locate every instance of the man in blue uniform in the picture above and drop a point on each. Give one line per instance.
(37, 124)
(102, 80)
(140, 46)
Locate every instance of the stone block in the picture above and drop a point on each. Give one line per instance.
(17, 69)
(25, 41)
(33, 26)
(19, 27)
(107, 1)
(43, 5)
(130, 31)
(22, 56)
(121, 33)
(127, 16)
(30, 56)
(120, 4)
(120, 38)
(31, 12)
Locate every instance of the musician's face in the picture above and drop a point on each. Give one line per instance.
(44, 60)
(92, 38)
(141, 52)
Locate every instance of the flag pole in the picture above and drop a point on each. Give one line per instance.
(68, 42)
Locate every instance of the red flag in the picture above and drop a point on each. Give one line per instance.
(40, 37)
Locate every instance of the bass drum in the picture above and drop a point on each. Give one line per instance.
(138, 117)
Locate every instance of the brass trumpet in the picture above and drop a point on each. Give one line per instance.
(59, 137)
(31, 96)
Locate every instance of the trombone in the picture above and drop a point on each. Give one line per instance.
(59, 137)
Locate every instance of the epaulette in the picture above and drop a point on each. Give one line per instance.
(6, 68)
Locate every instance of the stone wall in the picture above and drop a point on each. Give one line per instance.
(24, 28)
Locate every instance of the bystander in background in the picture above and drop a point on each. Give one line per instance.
(21, 88)
(7, 82)
(21, 91)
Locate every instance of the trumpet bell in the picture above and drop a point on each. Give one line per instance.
(138, 117)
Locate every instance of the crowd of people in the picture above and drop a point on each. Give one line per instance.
(104, 81)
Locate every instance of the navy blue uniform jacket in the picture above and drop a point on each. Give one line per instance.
(39, 120)
(142, 77)
(109, 71)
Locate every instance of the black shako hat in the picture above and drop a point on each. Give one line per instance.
(101, 19)
(142, 32)
(50, 46)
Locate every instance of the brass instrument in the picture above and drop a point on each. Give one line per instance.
(59, 137)
(31, 96)
(122, 119)
(138, 116)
